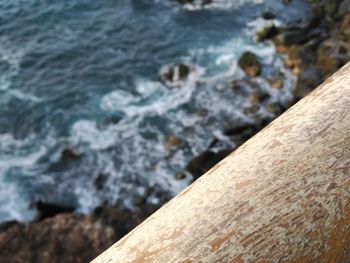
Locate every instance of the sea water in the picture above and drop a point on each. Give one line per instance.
(83, 75)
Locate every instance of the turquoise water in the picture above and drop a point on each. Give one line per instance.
(84, 75)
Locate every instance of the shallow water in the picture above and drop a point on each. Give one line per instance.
(83, 75)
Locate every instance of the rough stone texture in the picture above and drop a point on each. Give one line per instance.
(281, 197)
(66, 237)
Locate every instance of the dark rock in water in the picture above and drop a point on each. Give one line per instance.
(175, 75)
(286, 2)
(201, 2)
(100, 181)
(183, 2)
(258, 96)
(180, 176)
(68, 155)
(205, 161)
(47, 210)
(250, 64)
(241, 133)
(251, 109)
(267, 15)
(295, 37)
(68, 237)
(267, 33)
(307, 81)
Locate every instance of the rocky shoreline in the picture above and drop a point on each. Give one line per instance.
(313, 49)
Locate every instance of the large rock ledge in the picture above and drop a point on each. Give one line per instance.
(66, 237)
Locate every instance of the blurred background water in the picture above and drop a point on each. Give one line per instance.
(84, 119)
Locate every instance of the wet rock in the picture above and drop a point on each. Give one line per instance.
(331, 56)
(214, 154)
(286, 2)
(250, 64)
(274, 108)
(330, 7)
(343, 9)
(307, 81)
(295, 37)
(199, 2)
(173, 141)
(267, 32)
(258, 96)
(276, 82)
(68, 155)
(241, 133)
(100, 181)
(298, 57)
(344, 30)
(180, 176)
(267, 15)
(251, 109)
(205, 161)
(46, 210)
(175, 75)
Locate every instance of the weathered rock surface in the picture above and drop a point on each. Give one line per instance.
(66, 237)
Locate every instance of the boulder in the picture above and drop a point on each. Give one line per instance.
(175, 75)
(250, 64)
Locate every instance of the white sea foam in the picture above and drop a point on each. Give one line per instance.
(221, 4)
(13, 56)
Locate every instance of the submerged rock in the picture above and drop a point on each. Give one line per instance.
(250, 64)
(100, 181)
(68, 155)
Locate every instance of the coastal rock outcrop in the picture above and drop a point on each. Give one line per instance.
(67, 237)
(175, 75)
